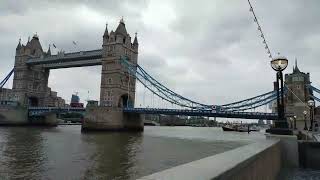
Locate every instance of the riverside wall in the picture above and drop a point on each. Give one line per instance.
(261, 160)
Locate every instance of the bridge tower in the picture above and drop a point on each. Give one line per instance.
(29, 83)
(117, 88)
(298, 95)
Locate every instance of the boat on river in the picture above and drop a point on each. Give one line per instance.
(228, 128)
(235, 127)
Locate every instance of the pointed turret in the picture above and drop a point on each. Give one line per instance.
(34, 47)
(19, 45)
(28, 43)
(135, 41)
(121, 29)
(49, 51)
(106, 33)
(296, 69)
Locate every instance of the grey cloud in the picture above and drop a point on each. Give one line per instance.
(111, 7)
(210, 52)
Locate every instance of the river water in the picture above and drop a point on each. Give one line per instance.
(64, 152)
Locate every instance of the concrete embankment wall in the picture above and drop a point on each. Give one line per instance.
(261, 160)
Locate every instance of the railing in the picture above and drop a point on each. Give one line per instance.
(194, 112)
(35, 111)
(66, 57)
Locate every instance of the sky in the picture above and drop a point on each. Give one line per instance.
(209, 51)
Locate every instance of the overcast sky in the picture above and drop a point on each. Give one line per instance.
(209, 51)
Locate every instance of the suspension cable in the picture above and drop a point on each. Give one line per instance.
(267, 47)
(128, 88)
(298, 97)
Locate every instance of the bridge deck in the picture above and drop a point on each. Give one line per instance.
(68, 60)
(184, 112)
(223, 114)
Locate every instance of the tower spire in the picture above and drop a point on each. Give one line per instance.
(19, 45)
(121, 20)
(296, 69)
(135, 41)
(106, 33)
(121, 29)
(49, 50)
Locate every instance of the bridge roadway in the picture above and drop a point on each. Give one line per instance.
(207, 113)
(36, 111)
(68, 60)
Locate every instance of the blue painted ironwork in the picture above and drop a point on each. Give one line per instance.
(4, 81)
(208, 113)
(314, 89)
(84, 58)
(165, 93)
(39, 111)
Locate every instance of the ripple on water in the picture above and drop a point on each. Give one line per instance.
(66, 153)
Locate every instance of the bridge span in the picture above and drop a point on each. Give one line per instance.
(119, 73)
(38, 111)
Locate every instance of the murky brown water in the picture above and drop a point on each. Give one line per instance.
(65, 153)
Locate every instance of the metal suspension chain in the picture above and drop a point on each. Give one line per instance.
(298, 97)
(173, 98)
(267, 47)
(144, 96)
(128, 88)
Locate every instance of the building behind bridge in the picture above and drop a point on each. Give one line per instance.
(298, 95)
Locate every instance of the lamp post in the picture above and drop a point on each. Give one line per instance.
(295, 122)
(305, 120)
(311, 105)
(279, 64)
(291, 123)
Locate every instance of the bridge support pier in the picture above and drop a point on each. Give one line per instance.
(49, 119)
(13, 116)
(111, 119)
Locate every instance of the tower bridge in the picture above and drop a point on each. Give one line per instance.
(120, 71)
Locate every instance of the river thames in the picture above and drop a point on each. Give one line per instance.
(64, 152)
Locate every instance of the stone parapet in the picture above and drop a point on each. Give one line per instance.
(289, 149)
(261, 160)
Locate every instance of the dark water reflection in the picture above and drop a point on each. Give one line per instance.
(66, 153)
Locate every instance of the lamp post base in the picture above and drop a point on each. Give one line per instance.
(280, 131)
(281, 128)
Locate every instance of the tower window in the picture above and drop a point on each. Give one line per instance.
(124, 40)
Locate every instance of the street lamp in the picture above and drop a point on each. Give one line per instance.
(311, 105)
(279, 64)
(305, 121)
(291, 123)
(295, 122)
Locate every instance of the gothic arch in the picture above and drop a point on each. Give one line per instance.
(33, 101)
(125, 101)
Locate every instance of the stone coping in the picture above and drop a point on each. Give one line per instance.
(214, 167)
